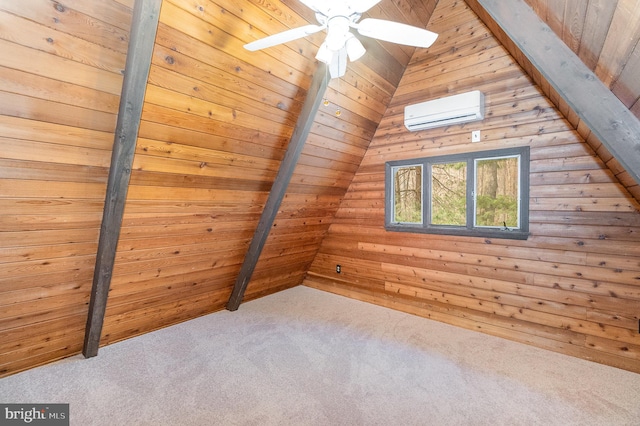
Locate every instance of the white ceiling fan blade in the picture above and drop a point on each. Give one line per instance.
(361, 6)
(283, 37)
(395, 32)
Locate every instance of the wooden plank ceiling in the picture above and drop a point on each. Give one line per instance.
(215, 125)
(605, 34)
(606, 37)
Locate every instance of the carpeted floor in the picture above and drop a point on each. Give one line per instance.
(306, 357)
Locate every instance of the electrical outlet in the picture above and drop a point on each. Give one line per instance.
(338, 269)
(475, 136)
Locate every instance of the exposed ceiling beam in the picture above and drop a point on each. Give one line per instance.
(306, 118)
(605, 115)
(144, 25)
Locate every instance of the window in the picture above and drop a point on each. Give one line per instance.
(476, 194)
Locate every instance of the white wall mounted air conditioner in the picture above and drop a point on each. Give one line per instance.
(455, 109)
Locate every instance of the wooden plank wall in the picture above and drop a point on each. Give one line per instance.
(572, 287)
(201, 172)
(215, 126)
(61, 72)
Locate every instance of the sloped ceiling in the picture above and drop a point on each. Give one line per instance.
(216, 122)
(215, 125)
(206, 92)
(605, 35)
(602, 48)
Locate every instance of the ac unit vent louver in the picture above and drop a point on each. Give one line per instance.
(456, 109)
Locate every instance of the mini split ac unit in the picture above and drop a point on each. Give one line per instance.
(455, 109)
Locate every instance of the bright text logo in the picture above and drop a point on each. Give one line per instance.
(34, 414)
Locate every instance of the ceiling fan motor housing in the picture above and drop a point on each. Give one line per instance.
(337, 32)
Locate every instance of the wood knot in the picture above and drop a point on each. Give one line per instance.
(169, 60)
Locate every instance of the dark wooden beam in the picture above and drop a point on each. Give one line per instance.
(605, 115)
(144, 24)
(311, 104)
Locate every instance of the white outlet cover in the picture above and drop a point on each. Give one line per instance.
(475, 136)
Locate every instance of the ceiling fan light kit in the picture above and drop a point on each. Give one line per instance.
(337, 30)
(355, 49)
(337, 17)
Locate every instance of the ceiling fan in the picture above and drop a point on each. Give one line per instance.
(337, 17)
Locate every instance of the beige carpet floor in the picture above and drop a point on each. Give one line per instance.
(306, 357)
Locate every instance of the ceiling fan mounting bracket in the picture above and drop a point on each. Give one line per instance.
(352, 17)
(337, 32)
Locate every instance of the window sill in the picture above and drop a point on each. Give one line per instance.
(515, 234)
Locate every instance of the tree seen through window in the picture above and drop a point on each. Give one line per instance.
(449, 194)
(497, 192)
(408, 194)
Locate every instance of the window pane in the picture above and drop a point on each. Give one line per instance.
(497, 192)
(448, 194)
(407, 196)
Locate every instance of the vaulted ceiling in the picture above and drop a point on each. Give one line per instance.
(605, 35)
(240, 111)
(215, 125)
